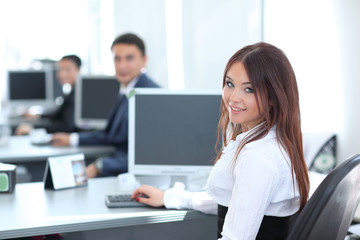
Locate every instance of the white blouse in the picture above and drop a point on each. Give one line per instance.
(258, 183)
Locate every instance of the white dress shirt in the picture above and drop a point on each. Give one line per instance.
(258, 183)
(74, 137)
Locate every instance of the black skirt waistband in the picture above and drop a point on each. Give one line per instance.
(271, 228)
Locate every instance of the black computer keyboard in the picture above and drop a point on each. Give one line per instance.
(121, 200)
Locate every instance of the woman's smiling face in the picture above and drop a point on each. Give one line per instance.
(239, 98)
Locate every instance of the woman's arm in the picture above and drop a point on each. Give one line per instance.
(175, 198)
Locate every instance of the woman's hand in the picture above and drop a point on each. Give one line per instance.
(149, 195)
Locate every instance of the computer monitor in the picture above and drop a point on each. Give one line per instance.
(57, 88)
(94, 98)
(50, 66)
(173, 133)
(29, 87)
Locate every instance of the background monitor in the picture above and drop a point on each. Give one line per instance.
(94, 98)
(173, 133)
(57, 88)
(29, 87)
(49, 65)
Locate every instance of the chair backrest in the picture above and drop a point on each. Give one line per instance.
(329, 212)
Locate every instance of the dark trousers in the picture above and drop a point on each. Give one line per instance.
(271, 228)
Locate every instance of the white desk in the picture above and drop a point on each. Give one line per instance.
(31, 210)
(19, 150)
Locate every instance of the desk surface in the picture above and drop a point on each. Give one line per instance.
(16, 121)
(20, 149)
(31, 210)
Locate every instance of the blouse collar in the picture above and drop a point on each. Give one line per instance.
(243, 135)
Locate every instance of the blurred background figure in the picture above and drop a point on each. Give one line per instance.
(62, 119)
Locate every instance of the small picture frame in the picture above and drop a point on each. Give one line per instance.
(66, 171)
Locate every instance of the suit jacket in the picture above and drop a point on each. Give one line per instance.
(115, 133)
(62, 120)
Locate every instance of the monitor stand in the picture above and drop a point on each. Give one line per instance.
(192, 183)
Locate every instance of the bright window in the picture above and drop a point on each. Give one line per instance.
(41, 29)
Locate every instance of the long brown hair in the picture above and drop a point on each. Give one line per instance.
(274, 83)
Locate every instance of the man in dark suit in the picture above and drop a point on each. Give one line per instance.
(129, 59)
(62, 119)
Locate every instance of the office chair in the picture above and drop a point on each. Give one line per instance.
(329, 212)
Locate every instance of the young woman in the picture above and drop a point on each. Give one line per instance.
(260, 177)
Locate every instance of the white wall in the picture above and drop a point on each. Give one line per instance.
(309, 37)
(321, 39)
(147, 20)
(349, 25)
(212, 32)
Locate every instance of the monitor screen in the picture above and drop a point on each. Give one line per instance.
(57, 88)
(27, 85)
(173, 132)
(94, 98)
